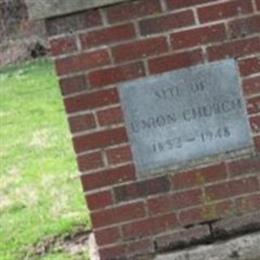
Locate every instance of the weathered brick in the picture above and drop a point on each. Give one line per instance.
(140, 247)
(244, 166)
(140, 49)
(142, 189)
(116, 74)
(167, 22)
(258, 4)
(209, 212)
(119, 155)
(73, 85)
(198, 36)
(244, 27)
(249, 66)
(248, 203)
(110, 116)
(73, 22)
(63, 45)
(191, 216)
(227, 9)
(132, 10)
(253, 105)
(108, 35)
(232, 188)
(115, 252)
(237, 224)
(91, 100)
(107, 236)
(198, 177)
(82, 122)
(175, 201)
(175, 61)
(255, 125)
(234, 49)
(150, 226)
(100, 139)
(108, 177)
(90, 161)
(252, 85)
(182, 237)
(118, 214)
(82, 62)
(99, 200)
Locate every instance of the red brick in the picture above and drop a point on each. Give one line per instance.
(90, 161)
(109, 253)
(224, 10)
(199, 176)
(119, 155)
(63, 45)
(244, 27)
(107, 236)
(73, 85)
(175, 61)
(249, 66)
(258, 4)
(82, 62)
(200, 36)
(91, 100)
(150, 226)
(185, 180)
(231, 188)
(108, 177)
(99, 200)
(139, 247)
(253, 105)
(252, 85)
(213, 173)
(73, 22)
(110, 116)
(100, 139)
(108, 35)
(140, 49)
(255, 124)
(208, 212)
(118, 215)
(166, 22)
(249, 203)
(132, 10)
(116, 74)
(81, 122)
(142, 189)
(175, 201)
(234, 49)
(244, 166)
(257, 143)
(174, 4)
(191, 216)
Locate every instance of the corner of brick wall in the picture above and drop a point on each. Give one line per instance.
(94, 51)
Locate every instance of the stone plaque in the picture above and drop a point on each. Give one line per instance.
(185, 115)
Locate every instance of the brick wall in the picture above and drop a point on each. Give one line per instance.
(97, 49)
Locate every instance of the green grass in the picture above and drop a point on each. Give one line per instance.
(40, 194)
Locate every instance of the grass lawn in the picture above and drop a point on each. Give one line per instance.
(40, 194)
